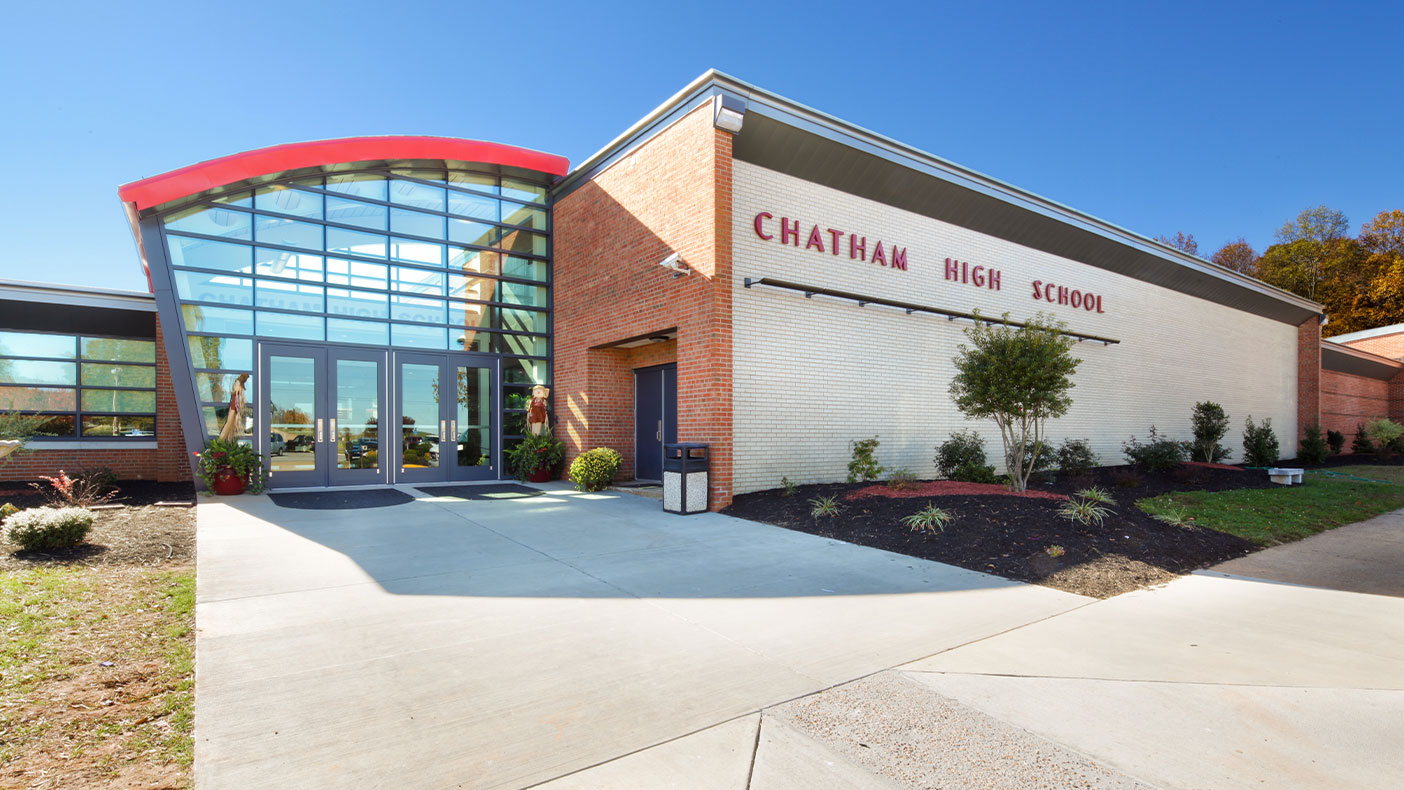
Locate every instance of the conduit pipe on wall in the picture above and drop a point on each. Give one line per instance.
(811, 291)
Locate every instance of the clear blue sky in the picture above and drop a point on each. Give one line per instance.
(1218, 119)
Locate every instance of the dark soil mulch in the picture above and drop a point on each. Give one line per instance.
(137, 533)
(1011, 536)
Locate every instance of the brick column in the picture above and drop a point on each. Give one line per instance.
(171, 464)
(1308, 376)
(1396, 398)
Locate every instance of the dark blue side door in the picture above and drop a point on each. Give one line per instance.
(655, 418)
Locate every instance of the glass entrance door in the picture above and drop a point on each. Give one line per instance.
(446, 407)
(323, 412)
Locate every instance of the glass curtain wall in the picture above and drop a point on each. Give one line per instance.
(86, 387)
(447, 260)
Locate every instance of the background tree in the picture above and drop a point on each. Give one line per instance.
(1239, 256)
(1182, 242)
(1018, 377)
(1307, 242)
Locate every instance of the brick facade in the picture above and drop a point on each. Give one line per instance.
(671, 194)
(1348, 400)
(1387, 346)
(1308, 374)
(166, 462)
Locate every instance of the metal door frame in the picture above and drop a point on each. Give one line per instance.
(346, 477)
(447, 362)
(263, 413)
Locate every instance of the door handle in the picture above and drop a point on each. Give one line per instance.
(453, 429)
(659, 437)
(319, 429)
(442, 430)
(331, 428)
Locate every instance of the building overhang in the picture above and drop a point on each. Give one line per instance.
(788, 137)
(1344, 359)
(44, 307)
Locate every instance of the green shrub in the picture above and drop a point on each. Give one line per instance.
(535, 451)
(930, 519)
(1084, 511)
(1336, 441)
(1158, 454)
(1313, 448)
(1361, 443)
(962, 457)
(788, 487)
(594, 470)
(7, 510)
(1259, 443)
(901, 479)
(1384, 433)
(48, 527)
(864, 465)
(1210, 424)
(1075, 457)
(823, 506)
(1095, 494)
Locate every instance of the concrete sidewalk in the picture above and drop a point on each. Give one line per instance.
(443, 643)
(1367, 557)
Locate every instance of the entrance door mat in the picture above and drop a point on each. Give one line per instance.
(341, 500)
(505, 491)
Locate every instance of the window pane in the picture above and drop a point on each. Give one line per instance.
(218, 255)
(290, 296)
(356, 273)
(358, 184)
(413, 308)
(524, 268)
(357, 304)
(523, 320)
(416, 223)
(33, 344)
(483, 182)
(244, 199)
(525, 345)
(416, 281)
(224, 320)
(472, 340)
(108, 375)
(56, 425)
(522, 241)
(354, 242)
(288, 265)
(340, 330)
(521, 293)
(119, 425)
(28, 371)
(525, 215)
(514, 187)
(226, 288)
(354, 212)
(289, 201)
(37, 399)
(212, 222)
(221, 352)
(127, 401)
(407, 193)
(113, 349)
(479, 289)
(475, 206)
(287, 232)
(470, 316)
(473, 261)
(417, 252)
(302, 327)
(525, 371)
(465, 232)
(419, 336)
(218, 387)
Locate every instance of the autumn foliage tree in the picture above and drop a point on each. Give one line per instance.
(1239, 256)
(1184, 242)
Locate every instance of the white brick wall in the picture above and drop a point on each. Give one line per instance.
(812, 374)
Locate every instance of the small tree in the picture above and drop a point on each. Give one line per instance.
(1210, 424)
(1019, 377)
(1384, 433)
(18, 427)
(1259, 443)
(1313, 448)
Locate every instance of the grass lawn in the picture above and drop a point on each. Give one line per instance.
(1393, 474)
(97, 676)
(1269, 516)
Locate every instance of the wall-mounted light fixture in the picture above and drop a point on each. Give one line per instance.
(729, 113)
(675, 264)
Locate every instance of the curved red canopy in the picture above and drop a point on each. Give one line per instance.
(199, 177)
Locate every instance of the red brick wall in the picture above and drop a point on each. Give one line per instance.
(1347, 400)
(1387, 346)
(1308, 374)
(166, 463)
(672, 194)
(1396, 398)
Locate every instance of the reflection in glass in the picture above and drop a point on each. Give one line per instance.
(300, 327)
(525, 215)
(97, 374)
(414, 308)
(466, 232)
(354, 212)
(357, 274)
(416, 281)
(122, 401)
(33, 344)
(205, 254)
(473, 261)
(357, 414)
(287, 232)
(370, 333)
(408, 193)
(474, 206)
(221, 353)
(292, 399)
(470, 316)
(218, 387)
(287, 265)
(525, 190)
(358, 185)
(29, 371)
(474, 416)
(354, 242)
(419, 417)
(524, 269)
(37, 399)
(481, 182)
(416, 223)
(472, 340)
(525, 345)
(56, 425)
(283, 200)
(435, 337)
(416, 252)
(282, 295)
(113, 349)
(520, 293)
(223, 320)
(212, 222)
(358, 304)
(525, 371)
(224, 288)
(522, 241)
(119, 425)
(522, 320)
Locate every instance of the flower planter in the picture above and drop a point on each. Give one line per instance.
(541, 475)
(228, 483)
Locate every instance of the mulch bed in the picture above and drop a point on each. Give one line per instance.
(137, 533)
(1011, 536)
(932, 488)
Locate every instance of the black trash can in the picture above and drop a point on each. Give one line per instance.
(685, 478)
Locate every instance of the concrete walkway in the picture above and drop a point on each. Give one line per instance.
(1367, 557)
(444, 643)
